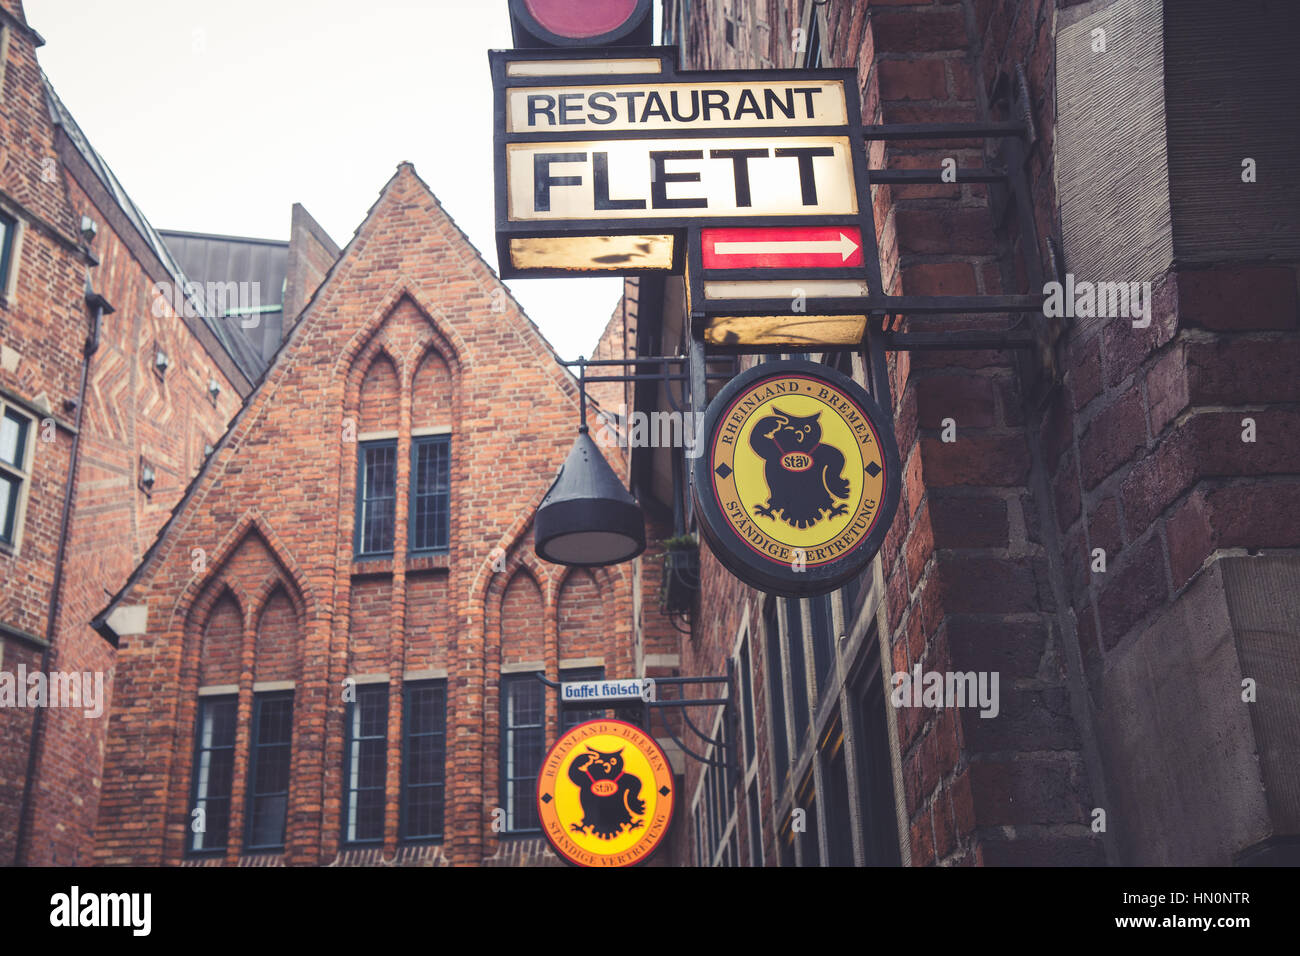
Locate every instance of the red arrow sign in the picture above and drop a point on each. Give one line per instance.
(782, 247)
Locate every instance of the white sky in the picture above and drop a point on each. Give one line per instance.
(218, 115)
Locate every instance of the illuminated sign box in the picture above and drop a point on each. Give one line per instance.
(609, 166)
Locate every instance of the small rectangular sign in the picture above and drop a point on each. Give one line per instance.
(782, 247)
(665, 107)
(576, 692)
(681, 178)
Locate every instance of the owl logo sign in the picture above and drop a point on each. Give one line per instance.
(605, 794)
(799, 479)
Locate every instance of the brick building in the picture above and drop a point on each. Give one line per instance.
(326, 627)
(344, 614)
(355, 694)
(1113, 530)
(99, 437)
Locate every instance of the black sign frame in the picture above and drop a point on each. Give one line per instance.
(679, 227)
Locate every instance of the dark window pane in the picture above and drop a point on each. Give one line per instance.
(823, 639)
(711, 805)
(798, 676)
(13, 439)
(266, 821)
(875, 770)
(851, 591)
(787, 848)
(839, 827)
(725, 781)
(523, 709)
(813, 55)
(747, 702)
(214, 758)
(6, 246)
(365, 765)
(424, 762)
(776, 685)
(755, 827)
(378, 499)
(571, 716)
(431, 483)
(699, 839)
(811, 850)
(9, 488)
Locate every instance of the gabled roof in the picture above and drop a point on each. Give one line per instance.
(252, 405)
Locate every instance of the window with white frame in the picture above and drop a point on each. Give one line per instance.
(16, 439)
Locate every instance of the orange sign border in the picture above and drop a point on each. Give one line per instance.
(649, 747)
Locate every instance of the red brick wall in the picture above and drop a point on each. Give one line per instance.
(581, 617)
(965, 567)
(1138, 451)
(15, 728)
(131, 413)
(221, 652)
(276, 656)
(1178, 483)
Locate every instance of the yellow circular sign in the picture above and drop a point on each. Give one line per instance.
(804, 470)
(605, 794)
(799, 479)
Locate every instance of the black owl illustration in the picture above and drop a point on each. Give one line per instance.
(609, 794)
(804, 475)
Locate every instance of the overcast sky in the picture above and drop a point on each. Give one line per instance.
(218, 115)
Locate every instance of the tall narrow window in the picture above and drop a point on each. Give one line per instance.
(809, 841)
(365, 765)
(571, 716)
(747, 702)
(798, 674)
(700, 859)
(839, 826)
(755, 826)
(726, 782)
(430, 493)
(776, 688)
(424, 760)
(785, 845)
(214, 762)
(813, 55)
(376, 496)
(523, 712)
(822, 625)
(874, 770)
(851, 592)
(14, 470)
(268, 771)
(8, 226)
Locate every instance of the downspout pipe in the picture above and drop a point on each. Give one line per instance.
(99, 307)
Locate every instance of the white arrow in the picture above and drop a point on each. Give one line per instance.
(844, 246)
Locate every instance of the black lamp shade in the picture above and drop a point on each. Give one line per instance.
(588, 518)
